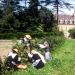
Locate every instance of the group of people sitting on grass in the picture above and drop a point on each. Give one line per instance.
(34, 57)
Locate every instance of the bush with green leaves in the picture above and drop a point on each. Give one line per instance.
(36, 34)
(54, 42)
(4, 70)
(22, 51)
(72, 33)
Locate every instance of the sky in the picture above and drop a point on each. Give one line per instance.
(70, 12)
(67, 11)
(63, 10)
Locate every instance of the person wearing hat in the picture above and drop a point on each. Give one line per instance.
(47, 53)
(27, 41)
(28, 37)
(37, 59)
(13, 59)
(46, 48)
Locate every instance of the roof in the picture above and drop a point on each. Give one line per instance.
(65, 17)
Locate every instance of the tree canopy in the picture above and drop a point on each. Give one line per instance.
(33, 16)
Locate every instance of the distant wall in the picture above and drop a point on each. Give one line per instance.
(65, 29)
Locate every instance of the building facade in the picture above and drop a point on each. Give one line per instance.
(65, 23)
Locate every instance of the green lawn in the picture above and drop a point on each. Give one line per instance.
(63, 62)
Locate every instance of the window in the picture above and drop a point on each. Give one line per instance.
(59, 21)
(68, 22)
(73, 22)
(63, 21)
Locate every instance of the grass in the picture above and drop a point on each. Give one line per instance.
(63, 62)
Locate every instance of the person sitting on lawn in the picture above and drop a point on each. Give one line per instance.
(37, 59)
(14, 61)
(26, 40)
(46, 48)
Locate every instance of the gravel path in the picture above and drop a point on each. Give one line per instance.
(5, 47)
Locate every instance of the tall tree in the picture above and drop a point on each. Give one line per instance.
(33, 7)
(8, 21)
(47, 19)
(12, 4)
(56, 4)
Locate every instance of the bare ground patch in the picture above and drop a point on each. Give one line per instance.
(5, 47)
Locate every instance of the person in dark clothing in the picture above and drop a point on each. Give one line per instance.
(14, 61)
(37, 62)
(37, 59)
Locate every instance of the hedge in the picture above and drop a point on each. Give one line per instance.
(72, 33)
(18, 35)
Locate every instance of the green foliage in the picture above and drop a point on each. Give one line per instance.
(1, 65)
(33, 8)
(11, 35)
(47, 19)
(72, 33)
(54, 41)
(28, 20)
(4, 70)
(22, 51)
(1, 13)
(61, 64)
(10, 4)
(36, 34)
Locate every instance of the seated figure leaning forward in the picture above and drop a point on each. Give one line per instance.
(46, 48)
(26, 40)
(37, 59)
(14, 61)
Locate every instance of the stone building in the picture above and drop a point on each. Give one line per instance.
(66, 19)
(66, 22)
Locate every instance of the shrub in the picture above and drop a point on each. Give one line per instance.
(72, 33)
(18, 35)
(22, 51)
(54, 42)
(11, 35)
(3, 68)
(53, 39)
(1, 65)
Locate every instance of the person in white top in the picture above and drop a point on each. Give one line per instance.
(37, 59)
(14, 61)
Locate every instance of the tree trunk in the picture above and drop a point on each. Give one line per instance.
(57, 8)
(25, 3)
